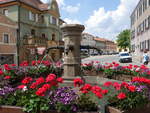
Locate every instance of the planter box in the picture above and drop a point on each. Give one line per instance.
(12, 109)
(145, 109)
(100, 74)
(90, 72)
(122, 77)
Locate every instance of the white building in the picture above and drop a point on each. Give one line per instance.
(140, 28)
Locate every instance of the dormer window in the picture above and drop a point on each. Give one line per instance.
(5, 12)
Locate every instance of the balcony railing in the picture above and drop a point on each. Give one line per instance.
(34, 40)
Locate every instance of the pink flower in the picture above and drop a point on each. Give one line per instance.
(7, 77)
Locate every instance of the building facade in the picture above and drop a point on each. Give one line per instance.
(100, 43)
(140, 28)
(111, 46)
(38, 26)
(107, 46)
(88, 40)
(8, 48)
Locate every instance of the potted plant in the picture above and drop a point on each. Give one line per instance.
(130, 97)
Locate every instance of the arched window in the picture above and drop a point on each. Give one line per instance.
(53, 37)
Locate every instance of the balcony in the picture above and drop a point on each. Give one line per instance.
(35, 40)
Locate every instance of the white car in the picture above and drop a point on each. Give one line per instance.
(125, 57)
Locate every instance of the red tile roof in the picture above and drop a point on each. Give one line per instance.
(34, 3)
(100, 39)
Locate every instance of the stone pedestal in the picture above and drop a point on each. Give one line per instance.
(72, 60)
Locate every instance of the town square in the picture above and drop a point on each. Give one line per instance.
(74, 56)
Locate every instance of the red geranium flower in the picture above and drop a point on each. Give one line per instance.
(105, 91)
(107, 84)
(41, 92)
(13, 65)
(33, 85)
(60, 80)
(7, 67)
(46, 86)
(124, 84)
(21, 86)
(99, 95)
(96, 89)
(50, 78)
(86, 88)
(1, 72)
(40, 80)
(132, 88)
(33, 63)
(26, 80)
(117, 86)
(121, 96)
(78, 82)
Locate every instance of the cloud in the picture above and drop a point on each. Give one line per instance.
(71, 21)
(108, 24)
(71, 9)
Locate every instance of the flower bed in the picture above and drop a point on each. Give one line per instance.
(115, 71)
(37, 89)
(41, 92)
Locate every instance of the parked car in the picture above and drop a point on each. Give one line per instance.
(125, 57)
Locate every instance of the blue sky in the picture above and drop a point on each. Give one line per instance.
(102, 18)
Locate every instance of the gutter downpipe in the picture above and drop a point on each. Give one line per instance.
(18, 35)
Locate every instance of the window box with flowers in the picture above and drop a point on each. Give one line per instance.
(132, 97)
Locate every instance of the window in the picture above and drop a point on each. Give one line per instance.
(148, 44)
(36, 17)
(54, 21)
(32, 16)
(42, 18)
(145, 4)
(146, 24)
(6, 38)
(53, 37)
(32, 32)
(5, 12)
(43, 35)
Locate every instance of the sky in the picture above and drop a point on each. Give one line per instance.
(102, 18)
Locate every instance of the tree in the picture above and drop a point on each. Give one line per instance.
(123, 39)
